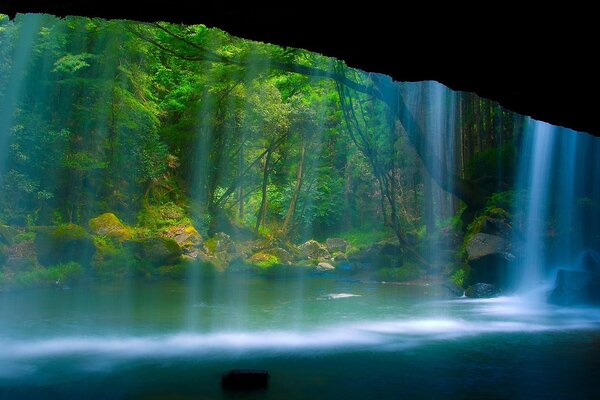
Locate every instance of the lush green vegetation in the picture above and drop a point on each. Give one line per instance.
(118, 134)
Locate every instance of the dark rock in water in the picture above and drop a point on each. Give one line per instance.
(63, 244)
(245, 379)
(159, 251)
(336, 245)
(482, 291)
(575, 287)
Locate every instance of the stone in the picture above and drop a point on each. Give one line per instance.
(575, 287)
(336, 245)
(186, 236)
(263, 259)
(482, 291)
(313, 250)
(323, 266)
(63, 244)
(110, 225)
(484, 244)
(156, 251)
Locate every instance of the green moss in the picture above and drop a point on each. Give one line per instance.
(157, 217)
(211, 244)
(24, 236)
(109, 225)
(359, 239)
(407, 272)
(263, 260)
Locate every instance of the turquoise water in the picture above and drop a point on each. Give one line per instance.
(320, 337)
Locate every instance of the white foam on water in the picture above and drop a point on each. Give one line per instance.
(335, 296)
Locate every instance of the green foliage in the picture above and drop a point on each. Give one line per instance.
(359, 239)
(24, 236)
(70, 63)
(459, 277)
(264, 260)
(407, 272)
(60, 274)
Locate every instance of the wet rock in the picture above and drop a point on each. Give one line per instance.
(110, 225)
(575, 287)
(484, 244)
(323, 266)
(63, 244)
(482, 291)
(313, 250)
(156, 251)
(336, 245)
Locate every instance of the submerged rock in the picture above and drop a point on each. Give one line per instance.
(157, 251)
(323, 266)
(313, 250)
(575, 287)
(110, 225)
(336, 245)
(482, 291)
(63, 244)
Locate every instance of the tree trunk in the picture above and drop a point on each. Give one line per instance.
(260, 216)
(299, 178)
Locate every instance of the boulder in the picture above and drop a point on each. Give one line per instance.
(263, 259)
(284, 256)
(336, 245)
(482, 291)
(590, 262)
(575, 287)
(485, 244)
(156, 251)
(313, 250)
(323, 266)
(109, 225)
(63, 244)
(186, 236)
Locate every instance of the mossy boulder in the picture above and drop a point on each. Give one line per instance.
(156, 251)
(109, 225)
(186, 236)
(313, 250)
(63, 244)
(263, 259)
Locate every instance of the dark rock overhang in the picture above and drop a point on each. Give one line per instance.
(533, 64)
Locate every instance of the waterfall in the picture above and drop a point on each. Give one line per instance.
(556, 212)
